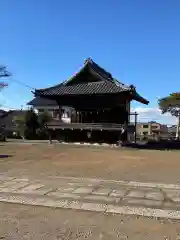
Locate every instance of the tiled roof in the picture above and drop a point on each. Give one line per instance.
(101, 82)
(84, 88)
(40, 101)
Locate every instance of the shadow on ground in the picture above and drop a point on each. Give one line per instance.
(156, 145)
(5, 156)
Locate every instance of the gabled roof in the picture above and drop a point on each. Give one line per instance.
(92, 68)
(89, 80)
(101, 87)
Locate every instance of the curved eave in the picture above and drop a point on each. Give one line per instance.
(39, 93)
(136, 96)
(48, 88)
(42, 101)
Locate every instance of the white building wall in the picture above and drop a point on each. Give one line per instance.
(66, 117)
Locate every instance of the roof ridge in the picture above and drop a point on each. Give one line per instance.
(99, 69)
(93, 65)
(80, 70)
(48, 88)
(120, 84)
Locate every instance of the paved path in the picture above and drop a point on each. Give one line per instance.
(22, 222)
(131, 198)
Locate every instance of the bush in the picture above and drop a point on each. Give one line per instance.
(42, 134)
(2, 138)
(152, 141)
(29, 134)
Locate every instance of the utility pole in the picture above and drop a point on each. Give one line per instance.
(135, 133)
(3, 73)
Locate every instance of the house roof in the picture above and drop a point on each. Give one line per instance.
(13, 113)
(2, 112)
(90, 79)
(7, 119)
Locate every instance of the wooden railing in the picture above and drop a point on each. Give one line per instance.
(85, 126)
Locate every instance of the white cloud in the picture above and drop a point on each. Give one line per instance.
(5, 109)
(153, 114)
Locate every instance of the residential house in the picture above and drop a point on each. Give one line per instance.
(143, 129)
(172, 130)
(7, 121)
(2, 112)
(151, 129)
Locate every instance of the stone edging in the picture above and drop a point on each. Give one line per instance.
(105, 208)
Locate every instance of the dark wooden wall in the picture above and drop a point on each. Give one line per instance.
(92, 101)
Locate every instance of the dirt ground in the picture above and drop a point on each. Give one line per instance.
(27, 222)
(93, 162)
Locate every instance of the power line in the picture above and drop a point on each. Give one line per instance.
(21, 83)
(5, 73)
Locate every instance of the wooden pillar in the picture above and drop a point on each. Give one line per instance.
(125, 134)
(80, 117)
(128, 109)
(76, 117)
(50, 136)
(135, 122)
(60, 112)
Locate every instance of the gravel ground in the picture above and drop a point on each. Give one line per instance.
(60, 160)
(27, 222)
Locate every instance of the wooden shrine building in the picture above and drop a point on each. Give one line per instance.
(99, 105)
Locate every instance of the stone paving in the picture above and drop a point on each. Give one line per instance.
(134, 198)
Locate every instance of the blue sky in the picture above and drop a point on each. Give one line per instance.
(44, 42)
